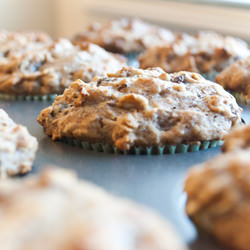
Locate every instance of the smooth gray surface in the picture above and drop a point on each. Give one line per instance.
(155, 181)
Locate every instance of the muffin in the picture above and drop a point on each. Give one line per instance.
(17, 147)
(50, 69)
(236, 79)
(237, 139)
(135, 108)
(125, 36)
(218, 198)
(56, 211)
(15, 43)
(206, 53)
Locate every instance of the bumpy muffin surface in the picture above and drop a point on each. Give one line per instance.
(236, 77)
(56, 211)
(125, 35)
(218, 198)
(50, 69)
(17, 147)
(135, 107)
(237, 139)
(203, 53)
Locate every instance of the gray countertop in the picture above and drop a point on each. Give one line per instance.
(155, 181)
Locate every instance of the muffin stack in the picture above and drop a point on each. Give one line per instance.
(100, 102)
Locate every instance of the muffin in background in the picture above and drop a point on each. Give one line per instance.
(17, 147)
(49, 69)
(55, 210)
(218, 198)
(14, 43)
(206, 53)
(128, 36)
(236, 79)
(237, 139)
(135, 108)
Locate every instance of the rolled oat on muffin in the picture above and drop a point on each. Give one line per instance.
(57, 211)
(237, 139)
(142, 108)
(17, 147)
(50, 69)
(205, 53)
(218, 198)
(125, 35)
(236, 78)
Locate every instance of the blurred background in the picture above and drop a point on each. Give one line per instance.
(66, 17)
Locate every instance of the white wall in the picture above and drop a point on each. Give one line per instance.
(27, 14)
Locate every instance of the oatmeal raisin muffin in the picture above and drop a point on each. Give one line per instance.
(142, 108)
(218, 198)
(205, 53)
(17, 147)
(236, 79)
(50, 69)
(57, 211)
(125, 35)
(237, 139)
(17, 42)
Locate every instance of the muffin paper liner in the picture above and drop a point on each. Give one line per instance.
(210, 76)
(28, 97)
(132, 59)
(240, 98)
(154, 150)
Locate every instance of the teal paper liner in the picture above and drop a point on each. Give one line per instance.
(240, 98)
(133, 59)
(211, 76)
(158, 150)
(28, 97)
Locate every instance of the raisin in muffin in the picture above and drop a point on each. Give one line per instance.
(135, 107)
(17, 147)
(125, 35)
(236, 78)
(218, 198)
(205, 53)
(237, 139)
(57, 211)
(50, 69)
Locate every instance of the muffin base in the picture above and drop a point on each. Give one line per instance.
(154, 150)
(240, 98)
(27, 97)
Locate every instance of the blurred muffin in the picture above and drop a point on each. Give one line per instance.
(56, 211)
(17, 147)
(142, 108)
(51, 68)
(205, 53)
(236, 78)
(125, 35)
(218, 198)
(237, 139)
(17, 42)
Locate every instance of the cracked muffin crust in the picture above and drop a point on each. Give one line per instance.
(205, 52)
(135, 107)
(125, 35)
(236, 77)
(57, 211)
(50, 69)
(237, 139)
(218, 198)
(17, 147)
